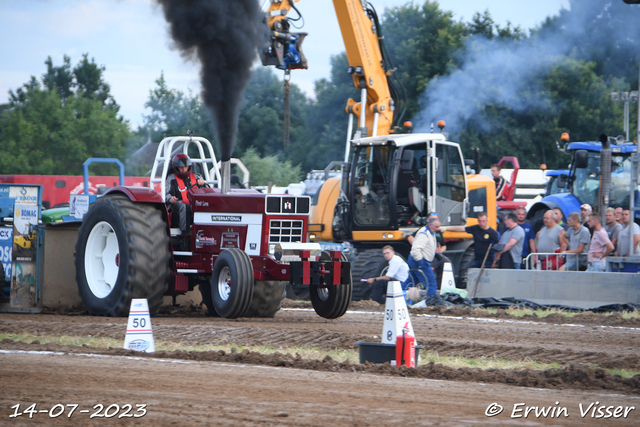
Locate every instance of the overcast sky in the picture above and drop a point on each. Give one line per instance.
(130, 38)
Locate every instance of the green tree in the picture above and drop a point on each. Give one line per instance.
(173, 113)
(327, 119)
(261, 123)
(576, 101)
(52, 128)
(603, 32)
(59, 78)
(89, 82)
(269, 168)
(484, 25)
(422, 41)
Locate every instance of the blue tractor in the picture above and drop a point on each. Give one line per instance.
(582, 182)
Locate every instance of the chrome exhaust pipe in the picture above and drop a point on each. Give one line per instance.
(225, 176)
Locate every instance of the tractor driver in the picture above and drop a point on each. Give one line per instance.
(177, 185)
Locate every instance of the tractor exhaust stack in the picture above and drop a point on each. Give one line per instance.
(225, 176)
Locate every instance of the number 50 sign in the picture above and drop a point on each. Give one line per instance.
(139, 336)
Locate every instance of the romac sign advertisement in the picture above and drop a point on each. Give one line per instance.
(19, 246)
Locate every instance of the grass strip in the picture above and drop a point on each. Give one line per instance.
(306, 353)
(540, 313)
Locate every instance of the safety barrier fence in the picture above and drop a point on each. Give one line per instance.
(552, 261)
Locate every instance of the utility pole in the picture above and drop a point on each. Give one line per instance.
(635, 159)
(626, 97)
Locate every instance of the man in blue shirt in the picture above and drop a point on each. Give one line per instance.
(529, 245)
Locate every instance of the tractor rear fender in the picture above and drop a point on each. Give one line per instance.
(144, 195)
(138, 194)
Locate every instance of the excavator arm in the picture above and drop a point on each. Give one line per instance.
(368, 63)
(361, 35)
(284, 48)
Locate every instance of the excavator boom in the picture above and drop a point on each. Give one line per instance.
(366, 65)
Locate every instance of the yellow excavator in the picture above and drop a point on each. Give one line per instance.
(26, 241)
(390, 181)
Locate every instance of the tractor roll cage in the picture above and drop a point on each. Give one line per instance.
(165, 153)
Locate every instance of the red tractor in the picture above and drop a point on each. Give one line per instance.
(241, 251)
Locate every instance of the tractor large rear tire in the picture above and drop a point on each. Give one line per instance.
(122, 253)
(369, 263)
(267, 298)
(331, 301)
(297, 292)
(207, 299)
(232, 283)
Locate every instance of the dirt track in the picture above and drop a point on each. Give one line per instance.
(320, 392)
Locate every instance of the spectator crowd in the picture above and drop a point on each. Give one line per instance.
(581, 243)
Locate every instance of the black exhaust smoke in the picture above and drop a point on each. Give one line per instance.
(224, 35)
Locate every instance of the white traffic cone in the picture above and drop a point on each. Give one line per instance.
(448, 281)
(396, 314)
(139, 336)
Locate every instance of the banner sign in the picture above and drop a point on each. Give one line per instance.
(6, 244)
(24, 195)
(78, 205)
(25, 243)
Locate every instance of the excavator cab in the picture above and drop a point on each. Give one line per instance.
(396, 184)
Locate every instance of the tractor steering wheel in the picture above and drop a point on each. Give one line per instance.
(196, 184)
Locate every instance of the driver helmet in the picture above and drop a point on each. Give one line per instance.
(181, 160)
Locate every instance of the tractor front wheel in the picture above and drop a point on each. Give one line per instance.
(232, 283)
(331, 301)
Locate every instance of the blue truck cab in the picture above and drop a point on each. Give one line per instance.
(554, 178)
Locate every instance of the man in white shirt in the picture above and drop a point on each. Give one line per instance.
(630, 229)
(398, 270)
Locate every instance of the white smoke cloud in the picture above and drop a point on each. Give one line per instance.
(493, 72)
(508, 73)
